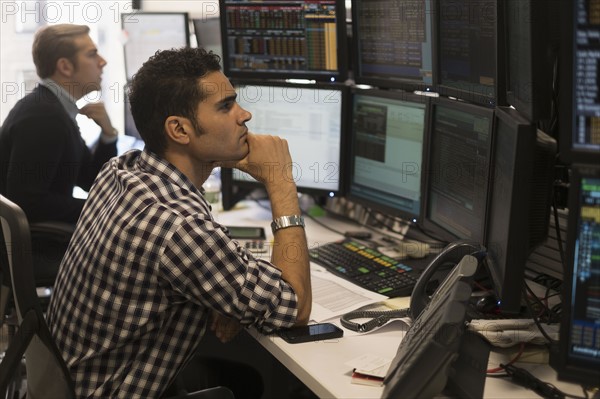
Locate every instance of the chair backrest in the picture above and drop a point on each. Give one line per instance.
(47, 373)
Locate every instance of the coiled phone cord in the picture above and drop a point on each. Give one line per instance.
(378, 318)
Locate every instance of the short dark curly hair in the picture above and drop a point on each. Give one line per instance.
(167, 85)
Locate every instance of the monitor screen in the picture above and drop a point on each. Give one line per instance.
(580, 97)
(147, 32)
(130, 128)
(458, 170)
(392, 43)
(284, 39)
(386, 151)
(208, 34)
(578, 355)
(467, 50)
(520, 201)
(311, 118)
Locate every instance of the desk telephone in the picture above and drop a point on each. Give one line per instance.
(250, 237)
(447, 259)
(436, 353)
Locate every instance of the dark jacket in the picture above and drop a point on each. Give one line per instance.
(43, 157)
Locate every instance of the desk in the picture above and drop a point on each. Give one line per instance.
(322, 367)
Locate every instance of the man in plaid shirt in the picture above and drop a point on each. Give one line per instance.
(148, 268)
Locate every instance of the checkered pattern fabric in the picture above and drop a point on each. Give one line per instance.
(145, 266)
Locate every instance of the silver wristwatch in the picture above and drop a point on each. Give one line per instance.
(286, 221)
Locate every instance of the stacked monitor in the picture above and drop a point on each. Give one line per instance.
(268, 48)
(577, 357)
(580, 97)
(486, 171)
(469, 54)
(393, 43)
(387, 143)
(312, 118)
(448, 163)
(284, 39)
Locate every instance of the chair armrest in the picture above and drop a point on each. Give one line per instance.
(209, 393)
(58, 231)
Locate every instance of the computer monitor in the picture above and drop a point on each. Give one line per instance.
(531, 55)
(580, 66)
(387, 142)
(130, 128)
(393, 43)
(458, 170)
(520, 200)
(284, 39)
(469, 56)
(311, 118)
(147, 32)
(208, 34)
(577, 357)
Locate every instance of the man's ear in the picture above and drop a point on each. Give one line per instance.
(178, 129)
(65, 67)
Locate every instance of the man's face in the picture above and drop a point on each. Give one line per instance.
(88, 66)
(222, 123)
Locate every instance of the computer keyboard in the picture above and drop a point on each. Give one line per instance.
(366, 267)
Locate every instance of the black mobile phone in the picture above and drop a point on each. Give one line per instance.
(311, 332)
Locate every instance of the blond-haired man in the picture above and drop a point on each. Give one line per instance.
(43, 155)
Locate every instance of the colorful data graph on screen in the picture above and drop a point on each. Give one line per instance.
(268, 36)
(587, 261)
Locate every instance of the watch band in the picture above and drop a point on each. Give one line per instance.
(286, 221)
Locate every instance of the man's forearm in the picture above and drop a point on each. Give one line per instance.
(290, 249)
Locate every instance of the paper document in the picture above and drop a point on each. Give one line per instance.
(333, 296)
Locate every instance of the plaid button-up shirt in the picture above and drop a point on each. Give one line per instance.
(146, 265)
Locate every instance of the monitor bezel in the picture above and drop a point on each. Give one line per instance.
(465, 94)
(510, 273)
(340, 75)
(185, 15)
(386, 82)
(369, 203)
(429, 225)
(531, 95)
(232, 186)
(580, 371)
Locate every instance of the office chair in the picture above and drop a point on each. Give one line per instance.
(49, 241)
(47, 373)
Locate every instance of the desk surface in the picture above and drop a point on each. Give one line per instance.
(322, 367)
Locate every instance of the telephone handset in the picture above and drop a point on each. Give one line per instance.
(450, 256)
